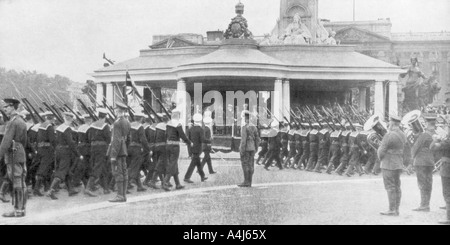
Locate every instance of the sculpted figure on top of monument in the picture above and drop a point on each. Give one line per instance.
(297, 32)
(322, 33)
(330, 40)
(238, 28)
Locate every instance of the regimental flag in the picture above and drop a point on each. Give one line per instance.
(132, 95)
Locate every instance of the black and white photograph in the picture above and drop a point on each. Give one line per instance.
(224, 113)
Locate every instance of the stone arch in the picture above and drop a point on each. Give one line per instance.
(297, 9)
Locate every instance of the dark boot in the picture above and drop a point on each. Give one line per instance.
(53, 186)
(246, 177)
(148, 178)
(112, 185)
(152, 183)
(37, 187)
(88, 191)
(392, 204)
(70, 188)
(140, 188)
(177, 182)
(318, 167)
(120, 193)
(3, 190)
(165, 183)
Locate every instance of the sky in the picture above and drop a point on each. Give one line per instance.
(68, 37)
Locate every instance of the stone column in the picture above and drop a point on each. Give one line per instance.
(362, 99)
(109, 94)
(181, 101)
(286, 100)
(393, 98)
(379, 99)
(277, 108)
(99, 93)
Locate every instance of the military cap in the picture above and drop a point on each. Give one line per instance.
(430, 117)
(207, 120)
(139, 114)
(102, 111)
(197, 117)
(121, 106)
(246, 112)
(11, 101)
(395, 118)
(69, 114)
(86, 116)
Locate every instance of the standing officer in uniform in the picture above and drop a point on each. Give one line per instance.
(424, 163)
(137, 148)
(390, 154)
(248, 147)
(66, 151)
(100, 138)
(174, 132)
(12, 148)
(443, 146)
(196, 136)
(118, 152)
(46, 144)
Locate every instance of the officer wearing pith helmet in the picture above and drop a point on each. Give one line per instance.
(12, 149)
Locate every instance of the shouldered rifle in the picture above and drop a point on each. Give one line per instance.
(313, 116)
(346, 118)
(159, 102)
(35, 114)
(86, 109)
(57, 116)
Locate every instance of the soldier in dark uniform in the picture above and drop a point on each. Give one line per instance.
(46, 144)
(99, 138)
(83, 167)
(150, 163)
(12, 149)
(66, 153)
(313, 147)
(335, 149)
(304, 134)
(424, 163)
(174, 132)
(264, 149)
(248, 147)
(345, 150)
(292, 148)
(324, 148)
(284, 135)
(197, 137)
(137, 148)
(355, 153)
(159, 154)
(118, 152)
(390, 154)
(298, 147)
(274, 148)
(207, 144)
(442, 145)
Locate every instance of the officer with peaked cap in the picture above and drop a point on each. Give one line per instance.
(390, 154)
(197, 137)
(12, 149)
(424, 162)
(118, 152)
(249, 146)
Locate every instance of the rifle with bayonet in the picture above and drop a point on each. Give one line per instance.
(313, 117)
(87, 110)
(159, 102)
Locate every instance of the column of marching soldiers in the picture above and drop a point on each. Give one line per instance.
(77, 149)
